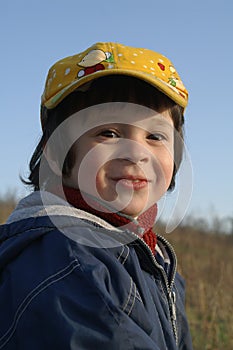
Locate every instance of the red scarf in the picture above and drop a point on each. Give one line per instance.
(144, 222)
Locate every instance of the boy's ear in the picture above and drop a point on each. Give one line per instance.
(53, 163)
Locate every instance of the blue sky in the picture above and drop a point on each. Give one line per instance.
(195, 35)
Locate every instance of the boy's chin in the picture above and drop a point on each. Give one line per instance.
(133, 211)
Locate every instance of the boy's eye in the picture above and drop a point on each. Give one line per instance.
(109, 134)
(157, 137)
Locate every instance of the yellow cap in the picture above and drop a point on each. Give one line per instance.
(102, 59)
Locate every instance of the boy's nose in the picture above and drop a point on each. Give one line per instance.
(133, 151)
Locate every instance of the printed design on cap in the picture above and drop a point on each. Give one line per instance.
(92, 62)
(69, 73)
(173, 82)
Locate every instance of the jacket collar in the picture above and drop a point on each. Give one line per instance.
(43, 203)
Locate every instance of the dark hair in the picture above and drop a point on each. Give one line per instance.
(114, 88)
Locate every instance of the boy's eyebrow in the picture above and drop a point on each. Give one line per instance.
(156, 120)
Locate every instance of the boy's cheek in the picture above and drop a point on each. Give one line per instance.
(86, 172)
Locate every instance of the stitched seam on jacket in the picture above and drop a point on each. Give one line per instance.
(121, 255)
(122, 251)
(134, 297)
(132, 293)
(126, 257)
(138, 296)
(36, 291)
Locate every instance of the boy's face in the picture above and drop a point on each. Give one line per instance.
(124, 156)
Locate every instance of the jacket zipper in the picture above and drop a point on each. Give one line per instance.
(171, 296)
(171, 292)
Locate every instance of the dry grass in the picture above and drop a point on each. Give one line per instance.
(7, 204)
(205, 261)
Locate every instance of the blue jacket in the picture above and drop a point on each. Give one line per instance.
(69, 280)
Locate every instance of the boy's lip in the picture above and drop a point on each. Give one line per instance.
(134, 182)
(131, 178)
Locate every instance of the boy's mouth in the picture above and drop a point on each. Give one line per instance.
(132, 182)
(135, 178)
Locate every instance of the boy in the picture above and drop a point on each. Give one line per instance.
(81, 267)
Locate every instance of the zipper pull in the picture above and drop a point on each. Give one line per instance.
(172, 296)
(173, 304)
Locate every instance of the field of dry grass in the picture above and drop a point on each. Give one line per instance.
(6, 206)
(205, 261)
